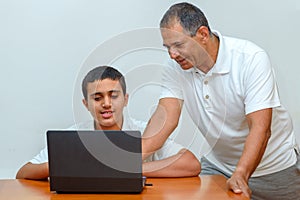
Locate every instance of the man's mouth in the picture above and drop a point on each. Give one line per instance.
(181, 61)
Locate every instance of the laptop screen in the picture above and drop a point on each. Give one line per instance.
(95, 161)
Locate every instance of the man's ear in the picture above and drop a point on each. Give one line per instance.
(85, 103)
(126, 97)
(202, 34)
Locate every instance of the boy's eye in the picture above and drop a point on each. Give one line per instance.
(97, 98)
(114, 96)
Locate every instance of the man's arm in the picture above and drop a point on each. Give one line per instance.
(183, 164)
(259, 133)
(33, 171)
(161, 125)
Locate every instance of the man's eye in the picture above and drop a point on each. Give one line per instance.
(178, 45)
(97, 98)
(114, 96)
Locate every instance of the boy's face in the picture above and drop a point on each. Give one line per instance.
(106, 101)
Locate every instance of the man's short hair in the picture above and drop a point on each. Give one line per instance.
(190, 17)
(101, 73)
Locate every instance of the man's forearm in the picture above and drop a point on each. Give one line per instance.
(150, 144)
(259, 133)
(256, 142)
(161, 125)
(253, 152)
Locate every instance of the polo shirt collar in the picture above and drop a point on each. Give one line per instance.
(222, 65)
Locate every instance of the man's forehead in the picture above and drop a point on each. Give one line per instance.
(176, 27)
(172, 35)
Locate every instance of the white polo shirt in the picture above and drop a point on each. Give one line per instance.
(240, 82)
(169, 148)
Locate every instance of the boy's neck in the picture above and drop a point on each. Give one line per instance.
(108, 128)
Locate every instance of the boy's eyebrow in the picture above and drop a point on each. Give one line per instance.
(101, 93)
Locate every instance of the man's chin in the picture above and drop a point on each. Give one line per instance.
(185, 65)
(187, 68)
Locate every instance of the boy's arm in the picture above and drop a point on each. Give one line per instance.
(182, 164)
(33, 171)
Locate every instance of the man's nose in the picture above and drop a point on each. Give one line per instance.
(173, 53)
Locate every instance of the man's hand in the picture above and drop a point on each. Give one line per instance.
(239, 184)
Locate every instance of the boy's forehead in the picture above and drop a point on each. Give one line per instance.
(104, 85)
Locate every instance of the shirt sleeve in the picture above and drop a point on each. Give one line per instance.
(170, 148)
(171, 79)
(42, 157)
(260, 87)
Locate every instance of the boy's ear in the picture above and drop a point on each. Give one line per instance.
(85, 103)
(126, 99)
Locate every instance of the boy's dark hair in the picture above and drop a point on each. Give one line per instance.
(101, 73)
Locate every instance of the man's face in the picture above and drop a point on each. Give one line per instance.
(106, 101)
(183, 48)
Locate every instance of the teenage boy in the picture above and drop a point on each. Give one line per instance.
(104, 91)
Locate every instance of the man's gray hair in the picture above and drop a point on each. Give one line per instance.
(190, 17)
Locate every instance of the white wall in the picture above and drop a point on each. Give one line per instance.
(47, 46)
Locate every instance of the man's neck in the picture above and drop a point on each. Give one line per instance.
(214, 47)
(212, 50)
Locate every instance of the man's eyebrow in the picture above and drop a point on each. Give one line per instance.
(177, 43)
(173, 44)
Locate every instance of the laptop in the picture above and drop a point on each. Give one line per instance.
(95, 161)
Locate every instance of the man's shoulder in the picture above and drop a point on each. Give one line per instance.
(241, 45)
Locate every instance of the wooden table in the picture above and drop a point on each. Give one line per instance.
(203, 187)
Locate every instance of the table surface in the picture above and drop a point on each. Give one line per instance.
(202, 187)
